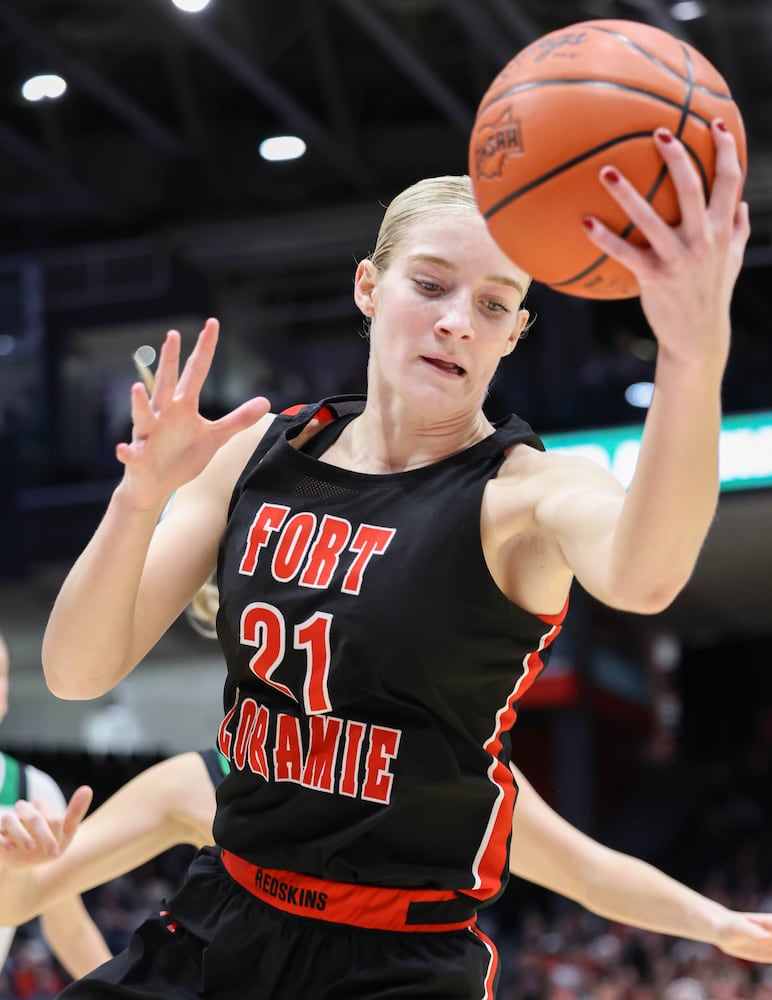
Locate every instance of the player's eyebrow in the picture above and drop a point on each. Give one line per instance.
(498, 279)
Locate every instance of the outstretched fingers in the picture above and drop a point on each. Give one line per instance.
(167, 371)
(728, 181)
(688, 186)
(199, 361)
(659, 235)
(29, 833)
(77, 808)
(239, 419)
(657, 232)
(699, 223)
(34, 832)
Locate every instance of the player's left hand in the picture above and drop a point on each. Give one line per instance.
(34, 832)
(687, 272)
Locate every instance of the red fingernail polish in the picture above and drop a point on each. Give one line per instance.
(588, 223)
(664, 135)
(610, 175)
(721, 125)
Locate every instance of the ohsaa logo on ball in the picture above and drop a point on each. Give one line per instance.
(498, 140)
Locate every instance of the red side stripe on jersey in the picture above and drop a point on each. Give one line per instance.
(491, 860)
(323, 413)
(493, 966)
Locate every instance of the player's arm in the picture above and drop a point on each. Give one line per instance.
(636, 551)
(136, 576)
(74, 937)
(170, 803)
(549, 851)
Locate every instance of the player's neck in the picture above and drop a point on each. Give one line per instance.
(385, 440)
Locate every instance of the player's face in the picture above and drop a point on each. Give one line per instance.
(444, 312)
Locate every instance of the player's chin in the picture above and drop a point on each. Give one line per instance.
(441, 400)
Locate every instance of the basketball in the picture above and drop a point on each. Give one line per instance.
(573, 101)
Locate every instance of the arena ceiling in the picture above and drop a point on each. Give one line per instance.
(164, 110)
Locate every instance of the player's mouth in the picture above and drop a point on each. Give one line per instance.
(444, 366)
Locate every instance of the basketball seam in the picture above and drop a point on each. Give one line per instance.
(569, 164)
(663, 65)
(590, 82)
(657, 61)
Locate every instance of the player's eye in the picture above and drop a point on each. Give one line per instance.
(426, 285)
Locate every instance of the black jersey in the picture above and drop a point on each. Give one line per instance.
(374, 667)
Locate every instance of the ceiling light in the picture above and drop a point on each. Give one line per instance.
(191, 6)
(45, 85)
(282, 147)
(639, 394)
(688, 10)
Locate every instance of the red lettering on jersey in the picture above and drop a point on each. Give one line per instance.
(292, 546)
(251, 734)
(244, 731)
(352, 751)
(369, 541)
(224, 738)
(384, 745)
(324, 735)
(323, 559)
(314, 636)
(268, 519)
(258, 762)
(288, 752)
(263, 627)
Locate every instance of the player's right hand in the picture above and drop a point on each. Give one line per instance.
(34, 832)
(171, 442)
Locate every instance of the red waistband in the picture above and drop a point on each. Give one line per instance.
(376, 907)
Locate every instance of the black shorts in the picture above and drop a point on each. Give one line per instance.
(216, 940)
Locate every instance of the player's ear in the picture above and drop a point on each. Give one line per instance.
(517, 331)
(365, 283)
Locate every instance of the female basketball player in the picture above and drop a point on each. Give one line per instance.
(389, 590)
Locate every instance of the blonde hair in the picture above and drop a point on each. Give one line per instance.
(429, 196)
(202, 610)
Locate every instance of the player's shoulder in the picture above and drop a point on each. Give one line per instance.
(554, 466)
(529, 478)
(523, 460)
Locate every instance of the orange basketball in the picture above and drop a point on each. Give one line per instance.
(571, 102)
